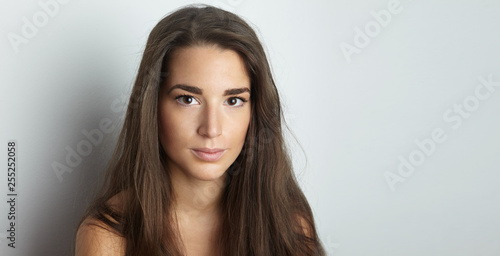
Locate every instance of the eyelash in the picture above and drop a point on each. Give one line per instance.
(238, 98)
(178, 98)
(184, 96)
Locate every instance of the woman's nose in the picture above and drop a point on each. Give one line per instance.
(211, 122)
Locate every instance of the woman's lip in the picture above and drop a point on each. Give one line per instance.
(208, 154)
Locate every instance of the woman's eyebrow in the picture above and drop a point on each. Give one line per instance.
(236, 91)
(199, 91)
(189, 88)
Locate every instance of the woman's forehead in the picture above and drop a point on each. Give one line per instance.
(207, 67)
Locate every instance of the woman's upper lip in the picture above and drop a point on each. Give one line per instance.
(209, 150)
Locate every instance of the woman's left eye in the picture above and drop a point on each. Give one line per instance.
(235, 101)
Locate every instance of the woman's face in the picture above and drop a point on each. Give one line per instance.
(204, 111)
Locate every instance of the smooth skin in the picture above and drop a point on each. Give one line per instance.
(204, 104)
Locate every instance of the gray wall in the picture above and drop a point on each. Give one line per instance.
(395, 106)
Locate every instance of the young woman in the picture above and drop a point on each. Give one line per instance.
(201, 166)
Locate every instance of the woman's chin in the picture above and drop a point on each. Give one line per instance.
(208, 174)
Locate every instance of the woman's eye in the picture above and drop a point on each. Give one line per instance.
(186, 100)
(235, 101)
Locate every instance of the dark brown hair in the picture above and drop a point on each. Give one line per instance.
(264, 211)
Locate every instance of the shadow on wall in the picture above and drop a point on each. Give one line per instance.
(77, 175)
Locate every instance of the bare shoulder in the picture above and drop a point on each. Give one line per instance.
(96, 238)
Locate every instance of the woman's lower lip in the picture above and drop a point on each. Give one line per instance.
(210, 157)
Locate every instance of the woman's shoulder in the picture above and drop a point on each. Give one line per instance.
(94, 237)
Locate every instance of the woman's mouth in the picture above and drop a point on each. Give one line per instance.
(207, 154)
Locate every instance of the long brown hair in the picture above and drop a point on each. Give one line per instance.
(264, 211)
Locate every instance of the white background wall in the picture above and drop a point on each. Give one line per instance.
(358, 104)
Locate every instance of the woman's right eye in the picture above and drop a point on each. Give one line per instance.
(186, 100)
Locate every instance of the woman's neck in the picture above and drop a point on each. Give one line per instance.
(196, 198)
(197, 212)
